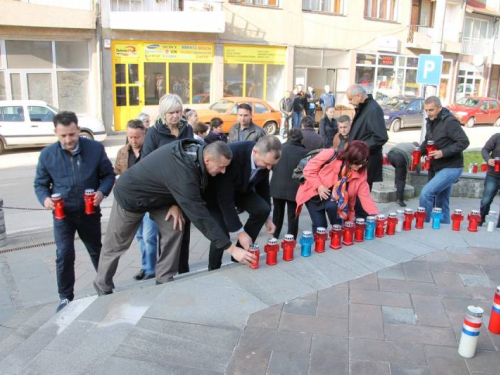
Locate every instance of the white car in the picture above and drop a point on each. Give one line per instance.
(28, 123)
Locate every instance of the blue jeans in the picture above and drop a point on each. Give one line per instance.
(296, 118)
(147, 236)
(437, 192)
(318, 216)
(491, 186)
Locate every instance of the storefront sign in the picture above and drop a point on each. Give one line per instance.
(126, 50)
(386, 60)
(178, 51)
(254, 54)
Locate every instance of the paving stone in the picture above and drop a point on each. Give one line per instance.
(333, 302)
(410, 245)
(388, 249)
(369, 297)
(438, 256)
(417, 270)
(267, 318)
(474, 280)
(430, 311)
(365, 321)
(300, 306)
(450, 285)
(493, 273)
(413, 287)
(287, 363)
(384, 351)
(458, 249)
(368, 282)
(314, 324)
(329, 355)
(180, 344)
(443, 360)
(455, 267)
(483, 260)
(420, 335)
(403, 369)
(398, 315)
(394, 273)
(369, 368)
(249, 361)
(459, 305)
(484, 250)
(284, 341)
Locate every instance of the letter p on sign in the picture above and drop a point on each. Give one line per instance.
(429, 69)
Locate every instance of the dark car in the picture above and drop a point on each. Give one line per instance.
(403, 112)
(476, 110)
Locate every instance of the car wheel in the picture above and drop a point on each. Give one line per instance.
(470, 122)
(396, 125)
(85, 134)
(497, 122)
(271, 128)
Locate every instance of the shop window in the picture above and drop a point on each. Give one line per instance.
(308, 57)
(443, 88)
(386, 84)
(365, 77)
(154, 82)
(233, 79)
(40, 87)
(23, 54)
(366, 59)
(381, 9)
(121, 96)
(255, 81)
(201, 83)
(72, 55)
(411, 85)
(179, 80)
(269, 3)
(327, 6)
(120, 74)
(275, 82)
(15, 86)
(133, 73)
(133, 95)
(387, 60)
(3, 93)
(73, 90)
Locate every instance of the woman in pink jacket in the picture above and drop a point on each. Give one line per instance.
(332, 188)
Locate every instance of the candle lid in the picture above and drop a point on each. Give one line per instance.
(474, 212)
(349, 224)
(437, 210)
(272, 241)
(56, 196)
(416, 149)
(254, 246)
(380, 217)
(430, 143)
(360, 221)
(475, 311)
(393, 215)
(321, 230)
(458, 211)
(289, 237)
(400, 212)
(421, 209)
(336, 227)
(497, 158)
(307, 233)
(89, 191)
(370, 218)
(408, 210)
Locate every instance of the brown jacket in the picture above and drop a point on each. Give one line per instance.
(121, 162)
(336, 142)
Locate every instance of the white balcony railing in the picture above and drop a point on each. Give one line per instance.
(426, 30)
(165, 5)
(70, 4)
(477, 46)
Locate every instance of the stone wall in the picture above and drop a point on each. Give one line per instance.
(470, 185)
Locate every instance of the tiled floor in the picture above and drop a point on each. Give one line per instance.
(404, 320)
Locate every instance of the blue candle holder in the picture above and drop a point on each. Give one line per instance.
(370, 228)
(436, 216)
(306, 242)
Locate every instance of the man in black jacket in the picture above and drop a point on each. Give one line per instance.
(311, 140)
(171, 177)
(368, 125)
(447, 162)
(490, 151)
(245, 186)
(283, 187)
(299, 105)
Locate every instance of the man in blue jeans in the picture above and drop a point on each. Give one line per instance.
(490, 151)
(447, 161)
(69, 167)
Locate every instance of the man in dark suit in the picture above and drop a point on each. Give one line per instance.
(244, 186)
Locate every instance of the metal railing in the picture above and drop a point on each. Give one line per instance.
(419, 29)
(166, 5)
(476, 46)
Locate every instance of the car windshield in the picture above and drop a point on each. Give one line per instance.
(468, 102)
(54, 109)
(397, 103)
(222, 106)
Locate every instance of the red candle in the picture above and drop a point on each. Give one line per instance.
(288, 246)
(379, 225)
(392, 221)
(420, 216)
(271, 250)
(336, 237)
(348, 233)
(359, 231)
(408, 219)
(320, 239)
(457, 217)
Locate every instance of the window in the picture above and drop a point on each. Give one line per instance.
(494, 105)
(72, 55)
(484, 106)
(71, 91)
(269, 3)
(23, 54)
(477, 29)
(12, 114)
(415, 105)
(260, 108)
(3, 92)
(328, 6)
(40, 113)
(381, 9)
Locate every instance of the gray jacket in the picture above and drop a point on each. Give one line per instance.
(405, 149)
(254, 133)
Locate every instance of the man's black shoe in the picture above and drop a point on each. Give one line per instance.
(140, 275)
(401, 203)
(147, 277)
(101, 292)
(64, 302)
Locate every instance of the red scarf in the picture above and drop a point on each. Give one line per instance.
(339, 192)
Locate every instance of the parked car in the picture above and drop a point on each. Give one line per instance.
(262, 113)
(403, 112)
(476, 110)
(28, 123)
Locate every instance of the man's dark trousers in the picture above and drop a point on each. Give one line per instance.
(258, 210)
(491, 187)
(398, 161)
(88, 228)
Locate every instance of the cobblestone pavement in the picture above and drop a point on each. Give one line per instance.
(403, 320)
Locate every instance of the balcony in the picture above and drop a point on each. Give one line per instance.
(164, 15)
(474, 47)
(73, 4)
(419, 37)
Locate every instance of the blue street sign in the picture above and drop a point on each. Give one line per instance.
(429, 69)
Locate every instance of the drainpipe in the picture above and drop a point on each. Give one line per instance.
(492, 56)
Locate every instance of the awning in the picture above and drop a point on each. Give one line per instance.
(478, 6)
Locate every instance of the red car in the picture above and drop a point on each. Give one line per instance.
(476, 110)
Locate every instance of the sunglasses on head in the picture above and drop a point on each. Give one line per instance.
(362, 162)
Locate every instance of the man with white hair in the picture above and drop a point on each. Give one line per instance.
(368, 125)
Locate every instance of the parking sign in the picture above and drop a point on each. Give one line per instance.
(429, 69)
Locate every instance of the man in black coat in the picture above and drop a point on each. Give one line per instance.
(311, 140)
(283, 186)
(368, 125)
(490, 151)
(244, 186)
(169, 180)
